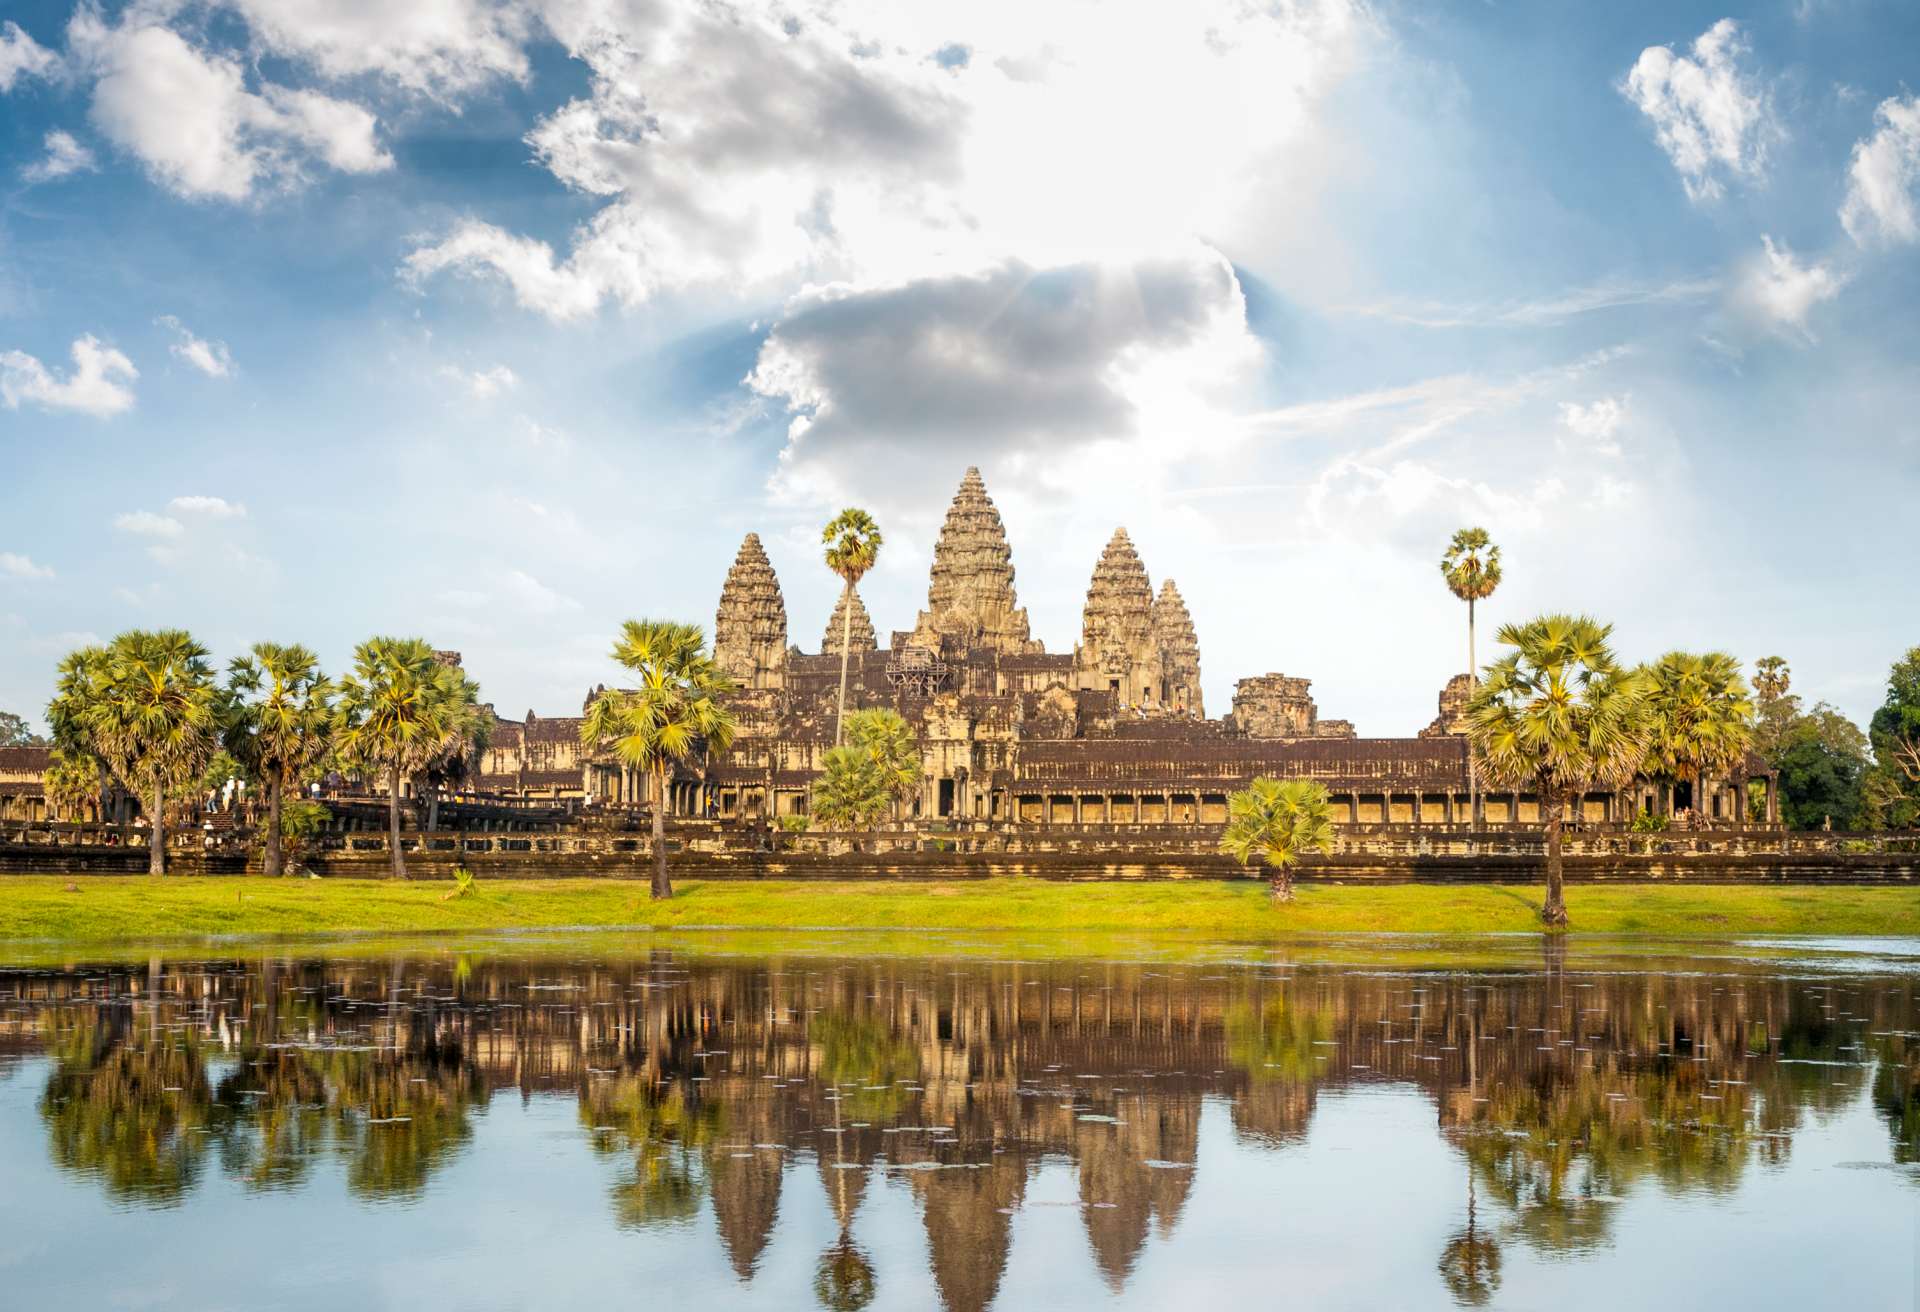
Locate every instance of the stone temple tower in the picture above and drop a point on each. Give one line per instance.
(1119, 649)
(970, 597)
(750, 630)
(1179, 652)
(861, 632)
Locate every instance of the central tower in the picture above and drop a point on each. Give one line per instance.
(970, 597)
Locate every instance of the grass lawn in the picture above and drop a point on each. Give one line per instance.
(142, 909)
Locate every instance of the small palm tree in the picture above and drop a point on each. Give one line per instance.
(1700, 719)
(1278, 821)
(1558, 714)
(675, 709)
(869, 777)
(397, 713)
(282, 725)
(852, 541)
(1471, 566)
(80, 682)
(147, 706)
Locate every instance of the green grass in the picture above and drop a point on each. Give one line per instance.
(140, 909)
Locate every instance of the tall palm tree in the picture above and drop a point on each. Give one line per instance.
(1558, 714)
(675, 709)
(397, 713)
(1278, 821)
(852, 541)
(1700, 719)
(282, 725)
(1471, 567)
(1772, 678)
(148, 707)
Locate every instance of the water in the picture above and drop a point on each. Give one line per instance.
(543, 1123)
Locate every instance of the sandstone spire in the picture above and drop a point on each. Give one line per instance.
(863, 638)
(1117, 649)
(970, 595)
(750, 629)
(1180, 651)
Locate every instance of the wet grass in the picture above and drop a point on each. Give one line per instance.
(103, 910)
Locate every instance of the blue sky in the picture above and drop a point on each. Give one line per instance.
(501, 322)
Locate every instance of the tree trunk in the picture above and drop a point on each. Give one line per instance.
(157, 832)
(1554, 913)
(273, 857)
(661, 888)
(1280, 888)
(846, 644)
(1473, 766)
(433, 811)
(396, 862)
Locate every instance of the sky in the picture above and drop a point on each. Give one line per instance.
(498, 323)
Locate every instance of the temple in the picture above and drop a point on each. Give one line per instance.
(1114, 732)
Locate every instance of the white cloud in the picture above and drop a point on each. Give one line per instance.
(210, 358)
(1597, 423)
(1780, 291)
(530, 596)
(484, 384)
(146, 524)
(22, 56)
(465, 598)
(1708, 116)
(1884, 175)
(752, 146)
(1540, 312)
(436, 47)
(16, 566)
(65, 155)
(543, 437)
(188, 116)
(92, 388)
(1009, 361)
(211, 507)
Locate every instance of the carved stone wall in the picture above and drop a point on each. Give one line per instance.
(1452, 720)
(1275, 706)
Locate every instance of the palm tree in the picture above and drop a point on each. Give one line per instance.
(853, 543)
(1558, 714)
(146, 705)
(1700, 719)
(675, 709)
(1279, 822)
(869, 777)
(81, 678)
(1471, 566)
(1772, 678)
(282, 726)
(398, 711)
(469, 728)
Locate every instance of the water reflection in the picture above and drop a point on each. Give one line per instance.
(705, 1085)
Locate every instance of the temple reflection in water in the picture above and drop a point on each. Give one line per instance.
(710, 1085)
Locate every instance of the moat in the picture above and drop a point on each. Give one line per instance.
(546, 1121)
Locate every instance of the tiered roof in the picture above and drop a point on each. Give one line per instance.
(862, 637)
(970, 595)
(1173, 630)
(750, 628)
(1118, 618)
